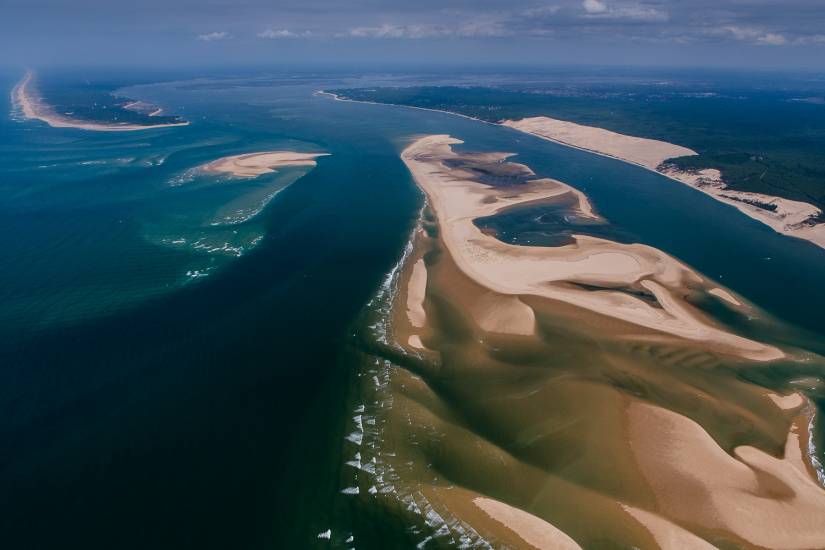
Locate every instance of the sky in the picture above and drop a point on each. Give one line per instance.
(760, 34)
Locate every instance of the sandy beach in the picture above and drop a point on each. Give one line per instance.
(792, 218)
(24, 95)
(252, 165)
(559, 273)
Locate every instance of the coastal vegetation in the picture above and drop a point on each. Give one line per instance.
(768, 141)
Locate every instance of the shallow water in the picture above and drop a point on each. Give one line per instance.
(164, 393)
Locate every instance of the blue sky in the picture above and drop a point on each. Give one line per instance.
(737, 33)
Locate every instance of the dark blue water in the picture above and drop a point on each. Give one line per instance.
(142, 406)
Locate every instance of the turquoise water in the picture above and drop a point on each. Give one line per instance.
(175, 347)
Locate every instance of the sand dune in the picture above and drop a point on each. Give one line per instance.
(252, 165)
(25, 97)
(793, 218)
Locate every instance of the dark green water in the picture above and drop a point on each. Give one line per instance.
(142, 406)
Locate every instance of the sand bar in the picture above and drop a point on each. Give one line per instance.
(768, 502)
(565, 273)
(793, 218)
(252, 165)
(416, 291)
(535, 531)
(31, 106)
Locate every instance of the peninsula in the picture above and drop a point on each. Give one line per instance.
(32, 106)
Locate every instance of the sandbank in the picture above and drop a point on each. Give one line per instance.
(535, 531)
(252, 165)
(566, 273)
(766, 501)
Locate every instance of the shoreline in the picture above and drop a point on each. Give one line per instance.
(33, 108)
(708, 181)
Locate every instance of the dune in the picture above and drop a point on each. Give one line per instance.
(612, 279)
(789, 217)
(766, 501)
(252, 165)
(31, 106)
(649, 153)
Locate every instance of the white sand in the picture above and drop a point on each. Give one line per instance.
(725, 295)
(667, 534)
(535, 531)
(252, 165)
(548, 271)
(787, 402)
(649, 153)
(416, 291)
(33, 107)
(504, 315)
(793, 218)
(769, 502)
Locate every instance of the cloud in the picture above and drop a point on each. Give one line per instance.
(273, 34)
(635, 12)
(594, 6)
(541, 11)
(213, 36)
(812, 39)
(772, 39)
(756, 36)
(399, 31)
(470, 29)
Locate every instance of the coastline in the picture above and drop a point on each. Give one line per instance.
(789, 218)
(708, 181)
(33, 108)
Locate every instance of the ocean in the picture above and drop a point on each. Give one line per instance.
(181, 354)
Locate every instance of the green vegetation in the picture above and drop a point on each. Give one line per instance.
(763, 141)
(94, 101)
